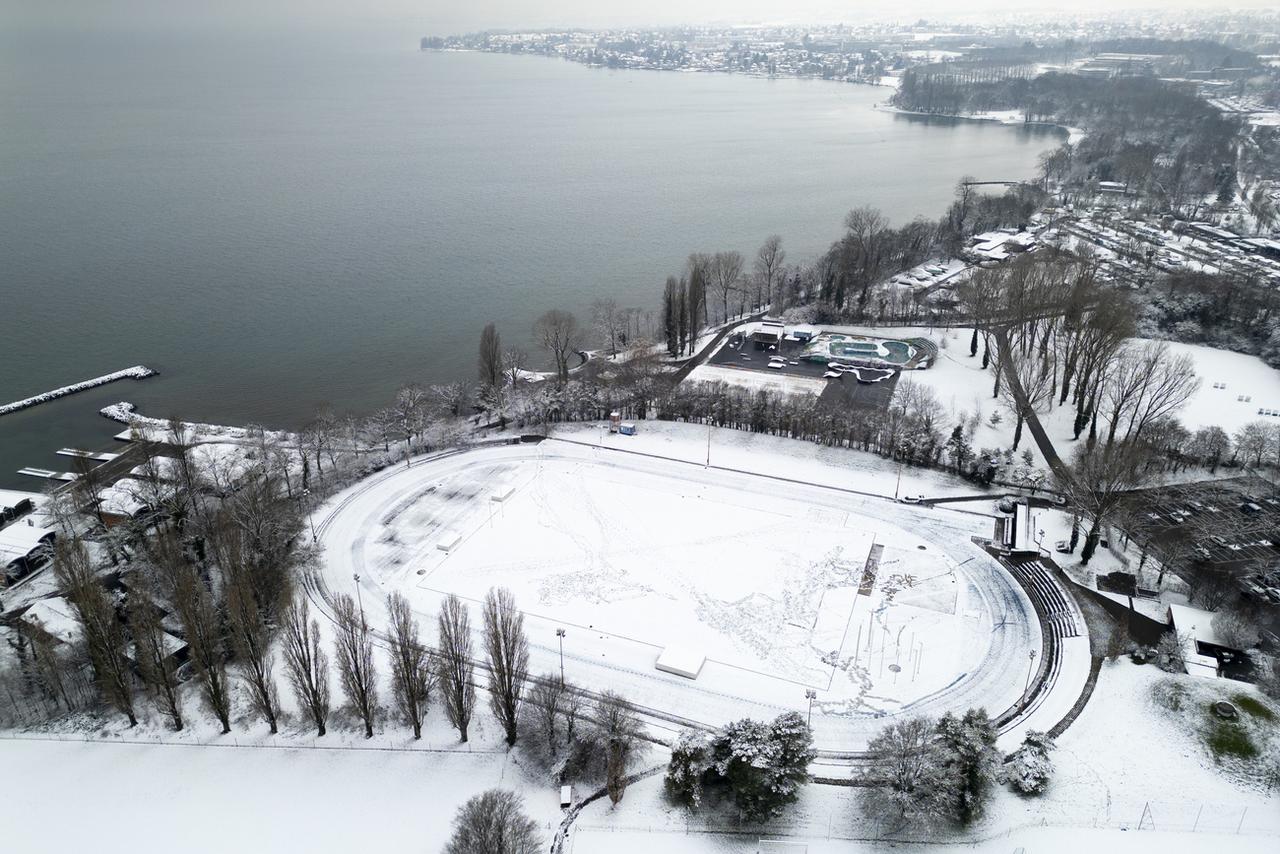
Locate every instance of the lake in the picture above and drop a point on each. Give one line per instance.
(273, 224)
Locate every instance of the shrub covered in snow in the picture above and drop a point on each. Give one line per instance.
(1170, 653)
(1029, 768)
(759, 766)
(1170, 694)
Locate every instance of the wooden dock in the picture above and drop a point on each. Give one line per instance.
(48, 474)
(96, 456)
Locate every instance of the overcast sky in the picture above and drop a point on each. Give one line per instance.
(446, 16)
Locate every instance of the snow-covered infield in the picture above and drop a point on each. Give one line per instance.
(766, 579)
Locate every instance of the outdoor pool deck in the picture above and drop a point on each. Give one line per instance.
(867, 351)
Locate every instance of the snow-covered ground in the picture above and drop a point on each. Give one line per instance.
(633, 553)
(145, 799)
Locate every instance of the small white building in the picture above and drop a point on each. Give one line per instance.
(1205, 653)
(681, 661)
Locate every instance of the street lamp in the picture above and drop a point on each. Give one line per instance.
(1031, 660)
(363, 625)
(560, 637)
(811, 695)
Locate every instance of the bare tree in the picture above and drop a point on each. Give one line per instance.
(903, 774)
(619, 729)
(1235, 629)
(514, 361)
(306, 663)
(490, 361)
(251, 639)
(726, 267)
(151, 649)
(206, 638)
(508, 651)
(1098, 480)
(356, 672)
(412, 677)
(609, 323)
(104, 635)
(493, 822)
(456, 669)
(557, 332)
(769, 261)
(1148, 383)
(544, 707)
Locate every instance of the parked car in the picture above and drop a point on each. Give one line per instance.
(1062, 547)
(911, 499)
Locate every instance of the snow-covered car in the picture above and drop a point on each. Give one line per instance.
(1062, 547)
(777, 365)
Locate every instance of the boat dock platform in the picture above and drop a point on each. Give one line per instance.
(96, 456)
(48, 474)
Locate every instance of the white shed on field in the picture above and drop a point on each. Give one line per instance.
(681, 661)
(449, 541)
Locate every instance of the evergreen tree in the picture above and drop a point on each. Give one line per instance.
(1029, 768)
(670, 317)
(970, 762)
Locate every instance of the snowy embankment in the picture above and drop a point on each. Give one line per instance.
(137, 372)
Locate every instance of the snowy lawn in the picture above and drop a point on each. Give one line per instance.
(148, 799)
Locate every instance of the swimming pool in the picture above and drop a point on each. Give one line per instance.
(837, 346)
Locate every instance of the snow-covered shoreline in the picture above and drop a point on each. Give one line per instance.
(126, 413)
(137, 372)
(1008, 118)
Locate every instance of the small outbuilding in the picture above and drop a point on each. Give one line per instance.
(24, 547)
(1205, 653)
(681, 661)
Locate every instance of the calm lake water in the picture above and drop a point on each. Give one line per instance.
(273, 224)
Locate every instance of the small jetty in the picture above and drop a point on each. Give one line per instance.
(48, 474)
(96, 456)
(137, 372)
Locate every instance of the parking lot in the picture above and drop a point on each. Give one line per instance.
(846, 391)
(1229, 525)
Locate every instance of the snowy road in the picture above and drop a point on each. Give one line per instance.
(630, 553)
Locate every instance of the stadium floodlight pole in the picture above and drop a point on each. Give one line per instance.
(708, 442)
(364, 627)
(898, 483)
(811, 695)
(560, 637)
(1031, 661)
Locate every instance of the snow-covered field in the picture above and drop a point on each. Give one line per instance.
(146, 799)
(632, 554)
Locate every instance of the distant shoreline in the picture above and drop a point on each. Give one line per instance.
(1074, 134)
(891, 84)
